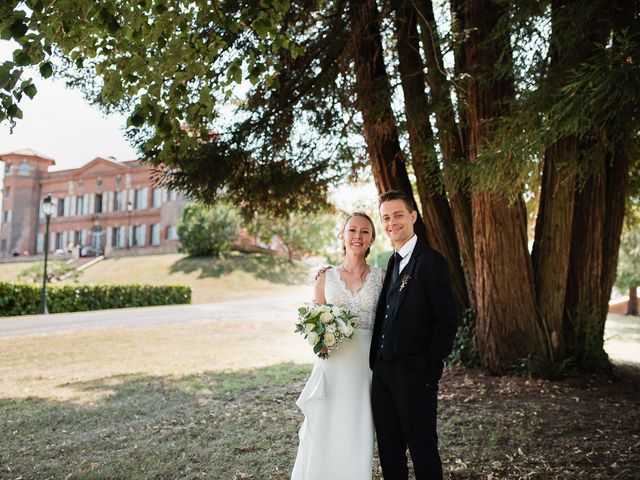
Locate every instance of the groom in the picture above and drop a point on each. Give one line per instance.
(413, 332)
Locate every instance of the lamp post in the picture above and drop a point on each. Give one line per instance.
(47, 209)
(129, 209)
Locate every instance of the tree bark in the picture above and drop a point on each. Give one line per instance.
(616, 191)
(585, 274)
(454, 153)
(435, 206)
(552, 245)
(507, 327)
(632, 306)
(374, 101)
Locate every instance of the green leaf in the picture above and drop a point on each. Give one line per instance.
(18, 29)
(30, 90)
(21, 58)
(46, 69)
(14, 111)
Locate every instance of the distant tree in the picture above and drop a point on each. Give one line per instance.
(629, 267)
(206, 231)
(302, 233)
(628, 272)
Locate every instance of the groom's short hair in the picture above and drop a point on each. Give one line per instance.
(397, 195)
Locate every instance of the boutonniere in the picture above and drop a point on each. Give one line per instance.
(405, 280)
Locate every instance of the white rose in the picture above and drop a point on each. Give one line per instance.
(346, 330)
(325, 308)
(329, 339)
(326, 317)
(337, 311)
(312, 338)
(308, 327)
(330, 328)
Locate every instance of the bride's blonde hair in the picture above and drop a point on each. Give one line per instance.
(373, 230)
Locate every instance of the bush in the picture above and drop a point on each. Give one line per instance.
(206, 231)
(24, 298)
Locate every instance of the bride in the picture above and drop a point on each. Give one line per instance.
(336, 437)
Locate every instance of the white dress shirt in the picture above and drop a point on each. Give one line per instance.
(406, 251)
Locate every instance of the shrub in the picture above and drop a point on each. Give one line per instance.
(24, 298)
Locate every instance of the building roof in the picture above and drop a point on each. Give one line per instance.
(28, 152)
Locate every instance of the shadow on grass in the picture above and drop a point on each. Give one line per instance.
(244, 425)
(265, 267)
(210, 425)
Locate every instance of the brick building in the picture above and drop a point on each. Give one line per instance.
(103, 206)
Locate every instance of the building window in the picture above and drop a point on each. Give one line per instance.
(24, 169)
(7, 192)
(6, 216)
(156, 200)
(140, 199)
(80, 205)
(61, 207)
(140, 235)
(3, 246)
(117, 201)
(98, 203)
(155, 234)
(171, 233)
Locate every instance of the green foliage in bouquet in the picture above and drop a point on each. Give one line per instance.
(324, 327)
(24, 298)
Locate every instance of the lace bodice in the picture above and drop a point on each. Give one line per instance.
(363, 303)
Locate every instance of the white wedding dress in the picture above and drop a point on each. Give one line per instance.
(336, 437)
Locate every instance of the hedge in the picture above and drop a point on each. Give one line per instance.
(24, 298)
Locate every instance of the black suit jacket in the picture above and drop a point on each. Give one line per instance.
(425, 323)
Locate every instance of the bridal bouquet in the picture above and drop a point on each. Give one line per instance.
(324, 327)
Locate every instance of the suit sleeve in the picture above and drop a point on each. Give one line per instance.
(445, 313)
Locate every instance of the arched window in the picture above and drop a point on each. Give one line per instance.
(24, 169)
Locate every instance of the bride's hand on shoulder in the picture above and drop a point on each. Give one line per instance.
(322, 271)
(319, 286)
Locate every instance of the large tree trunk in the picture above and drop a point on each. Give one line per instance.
(435, 206)
(632, 306)
(598, 218)
(374, 101)
(454, 153)
(507, 327)
(552, 244)
(585, 274)
(553, 240)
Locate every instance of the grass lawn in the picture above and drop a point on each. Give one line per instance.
(9, 271)
(217, 400)
(211, 279)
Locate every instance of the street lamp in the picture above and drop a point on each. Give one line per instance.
(47, 209)
(129, 209)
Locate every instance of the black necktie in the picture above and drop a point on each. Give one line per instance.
(397, 258)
